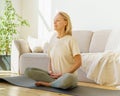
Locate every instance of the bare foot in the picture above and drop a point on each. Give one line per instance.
(40, 83)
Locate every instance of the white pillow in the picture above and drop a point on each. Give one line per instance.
(113, 43)
(99, 40)
(35, 45)
(83, 37)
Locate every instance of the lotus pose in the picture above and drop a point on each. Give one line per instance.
(65, 58)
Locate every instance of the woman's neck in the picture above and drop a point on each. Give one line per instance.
(61, 34)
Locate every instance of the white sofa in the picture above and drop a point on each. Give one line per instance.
(89, 42)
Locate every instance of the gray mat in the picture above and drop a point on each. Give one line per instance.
(78, 91)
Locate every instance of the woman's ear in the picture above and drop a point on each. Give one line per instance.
(66, 23)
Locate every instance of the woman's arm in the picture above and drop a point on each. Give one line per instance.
(77, 63)
(50, 68)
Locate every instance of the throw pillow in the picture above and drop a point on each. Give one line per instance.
(35, 45)
(113, 43)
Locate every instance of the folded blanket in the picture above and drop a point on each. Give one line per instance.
(104, 68)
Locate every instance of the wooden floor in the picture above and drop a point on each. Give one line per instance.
(11, 90)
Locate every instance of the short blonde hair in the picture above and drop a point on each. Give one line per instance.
(68, 28)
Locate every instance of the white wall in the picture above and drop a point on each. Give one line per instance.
(85, 14)
(17, 6)
(45, 20)
(1, 7)
(90, 14)
(30, 12)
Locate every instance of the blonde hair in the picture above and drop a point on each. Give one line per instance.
(68, 27)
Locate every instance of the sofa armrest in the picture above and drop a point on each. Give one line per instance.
(19, 47)
(34, 60)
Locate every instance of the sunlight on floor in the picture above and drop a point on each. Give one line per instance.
(118, 87)
(7, 73)
(94, 85)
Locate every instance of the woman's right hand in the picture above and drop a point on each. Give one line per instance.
(50, 72)
(55, 76)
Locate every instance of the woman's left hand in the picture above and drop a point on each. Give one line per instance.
(55, 76)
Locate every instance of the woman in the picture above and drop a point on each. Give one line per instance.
(65, 58)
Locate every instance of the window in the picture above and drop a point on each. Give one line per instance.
(44, 24)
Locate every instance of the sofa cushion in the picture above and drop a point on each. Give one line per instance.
(113, 43)
(21, 46)
(99, 41)
(83, 38)
(35, 45)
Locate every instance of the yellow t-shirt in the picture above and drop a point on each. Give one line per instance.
(62, 52)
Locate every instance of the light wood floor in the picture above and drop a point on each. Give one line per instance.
(11, 90)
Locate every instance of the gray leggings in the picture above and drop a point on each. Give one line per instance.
(66, 81)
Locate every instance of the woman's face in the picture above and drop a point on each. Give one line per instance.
(59, 23)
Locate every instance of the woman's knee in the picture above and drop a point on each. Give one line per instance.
(38, 75)
(69, 80)
(29, 71)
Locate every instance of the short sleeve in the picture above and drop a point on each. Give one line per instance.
(74, 47)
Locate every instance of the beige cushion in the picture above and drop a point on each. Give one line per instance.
(99, 41)
(113, 43)
(35, 45)
(22, 46)
(83, 38)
